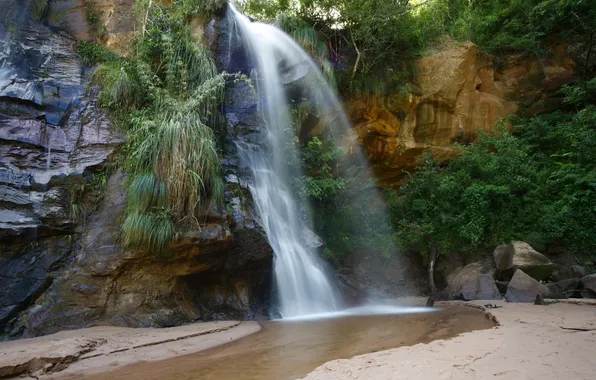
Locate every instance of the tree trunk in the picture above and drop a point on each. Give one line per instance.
(587, 63)
(432, 257)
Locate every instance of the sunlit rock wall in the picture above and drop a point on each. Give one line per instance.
(110, 21)
(453, 95)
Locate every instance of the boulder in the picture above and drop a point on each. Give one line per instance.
(564, 288)
(589, 282)
(473, 282)
(578, 271)
(520, 255)
(523, 288)
(563, 272)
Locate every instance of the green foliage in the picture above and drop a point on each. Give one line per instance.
(166, 96)
(93, 53)
(537, 185)
(509, 25)
(93, 17)
(319, 161)
(149, 231)
(372, 40)
(38, 9)
(200, 6)
(77, 208)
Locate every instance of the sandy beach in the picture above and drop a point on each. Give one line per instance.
(529, 344)
(70, 354)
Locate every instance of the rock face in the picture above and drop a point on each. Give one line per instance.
(523, 288)
(453, 95)
(520, 255)
(59, 271)
(473, 282)
(110, 21)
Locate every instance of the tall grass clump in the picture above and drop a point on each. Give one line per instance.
(166, 95)
(38, 9)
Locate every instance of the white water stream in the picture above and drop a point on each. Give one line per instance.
(305, 288)
(303, 285)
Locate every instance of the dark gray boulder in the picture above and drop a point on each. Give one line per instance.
(588, 286)
(564, 288)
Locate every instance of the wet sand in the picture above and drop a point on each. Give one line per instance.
(290, 350)
(92, 350)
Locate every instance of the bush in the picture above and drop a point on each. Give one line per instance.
(536, 183)
(165, 95)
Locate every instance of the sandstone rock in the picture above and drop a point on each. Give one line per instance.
(523, 288)
(473, 283)
(114, 26)
(455, 94)
(520, 255)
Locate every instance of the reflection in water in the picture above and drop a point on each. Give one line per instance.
(288, 350)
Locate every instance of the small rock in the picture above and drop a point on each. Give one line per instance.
(578, 271)
(539, 300)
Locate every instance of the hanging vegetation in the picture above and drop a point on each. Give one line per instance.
(166, 96)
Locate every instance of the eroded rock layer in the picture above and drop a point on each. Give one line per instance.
(453, 95)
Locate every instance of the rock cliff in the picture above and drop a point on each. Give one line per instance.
(62, 198)
(453, 95)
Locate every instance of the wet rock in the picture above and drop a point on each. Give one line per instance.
(473, 282)
(312, 239)
(224, 39)
(520, 255)
(24, 276)
(523, 288)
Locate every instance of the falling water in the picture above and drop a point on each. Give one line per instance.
(303, 285)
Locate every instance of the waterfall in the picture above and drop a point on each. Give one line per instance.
(303, 284)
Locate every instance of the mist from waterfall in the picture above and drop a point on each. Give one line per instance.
(303, 284)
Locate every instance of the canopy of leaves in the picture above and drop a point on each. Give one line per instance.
(372, 40)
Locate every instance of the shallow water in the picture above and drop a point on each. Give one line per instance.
(289, 350)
